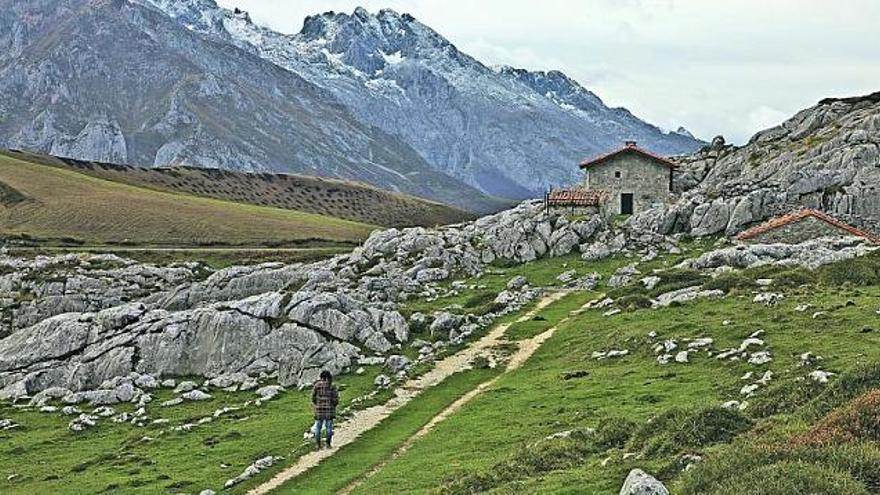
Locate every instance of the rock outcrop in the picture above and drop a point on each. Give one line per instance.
(825, 157)
(285, 321)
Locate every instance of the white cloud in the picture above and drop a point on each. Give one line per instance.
(726, 67)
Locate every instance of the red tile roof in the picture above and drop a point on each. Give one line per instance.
(629, 148)
(775, 223)
(576, 197)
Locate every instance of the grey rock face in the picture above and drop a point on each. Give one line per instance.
(824, 157)
(639, 482)
(810, 254)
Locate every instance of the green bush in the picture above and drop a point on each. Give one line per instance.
(857, 271)
(792, 478)
(784, 397)
(680, 429)
(724, 469)
(545, 456)
(846, 387)
(633, 301)
(731, 281)
(794, 278)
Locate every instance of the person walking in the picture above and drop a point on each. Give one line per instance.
(324, 399)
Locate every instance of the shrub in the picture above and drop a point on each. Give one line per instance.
(633, 301)
(730, 281)
(849, 385)
(857, 271)
(784, 397)
(545, 456)
(792, 478)
(858, 420)
(794, 278)
(679, 429)
(724, 469)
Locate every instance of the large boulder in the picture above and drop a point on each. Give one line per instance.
(639, 482)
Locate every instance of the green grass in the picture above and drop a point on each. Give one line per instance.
(113, 458)
(534, 401)
(65, 206)
(375, 446)
(548, 317)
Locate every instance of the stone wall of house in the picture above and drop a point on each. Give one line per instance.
(575, 210)
(646, 179)
(796, 232)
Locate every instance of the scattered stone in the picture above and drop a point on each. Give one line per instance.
(48, 409)
(517, 283)
(195, 395)
(681, 357)
(802, 307)
(664, 359)
(623, 276)
(650, 282)
(7, 424)
(252, 470)
(169, 383)
(639, 482)
(558, 435)
(172, 402)
(759, 358)
(750, 342)
(749, 390)
(382, 381)
(104, 412)
(269, 392)
(397, 363)
(768, 298)
(70, 410)
(820, 314)
(810, 359)
(612, 312)
(820, 376)
(700, 343)
(567, 277)
(599, 355)
(82, 422)
(186, 386)
(371, 361)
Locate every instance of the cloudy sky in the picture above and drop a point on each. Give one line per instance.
(729, 67)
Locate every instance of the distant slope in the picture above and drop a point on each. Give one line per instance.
(336, 198)
(51, 204)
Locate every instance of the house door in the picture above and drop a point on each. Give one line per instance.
(626, 203)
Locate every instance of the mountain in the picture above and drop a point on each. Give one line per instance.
(508, 132)
(826, 157)
(116, 81)
(346, 200)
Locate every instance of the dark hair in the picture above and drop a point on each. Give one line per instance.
(325, 375)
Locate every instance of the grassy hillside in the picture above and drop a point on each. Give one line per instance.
(795, 436)
(336, 198)
(55, 204)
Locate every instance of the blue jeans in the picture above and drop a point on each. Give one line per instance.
(327, 423)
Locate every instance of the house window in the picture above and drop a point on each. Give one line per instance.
(617, 174)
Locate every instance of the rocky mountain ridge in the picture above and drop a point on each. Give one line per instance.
(379, 98)
(119, 82)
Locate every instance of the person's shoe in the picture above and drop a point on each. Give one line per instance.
(318, 445)
(329, 441)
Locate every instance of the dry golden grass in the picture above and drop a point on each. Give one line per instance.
(333, 197)
(65, 204)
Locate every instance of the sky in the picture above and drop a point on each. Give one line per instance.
(729, 67)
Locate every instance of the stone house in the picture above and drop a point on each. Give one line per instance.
(633, 179)
(801, 226)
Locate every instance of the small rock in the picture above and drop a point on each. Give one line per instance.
(269, 392)
(517, 283)
(382, 381)
(639, 482)
(196, 395)
(681, 357)
(819, 314)
(820, 376)
(759, 358)
(186, 386)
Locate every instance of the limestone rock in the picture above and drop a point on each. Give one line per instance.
(639, 482)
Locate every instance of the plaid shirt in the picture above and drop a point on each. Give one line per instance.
(324, 399)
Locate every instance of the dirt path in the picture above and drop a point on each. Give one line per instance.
(369, 418)
(517, 359)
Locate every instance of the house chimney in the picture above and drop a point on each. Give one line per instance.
(630, 144)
